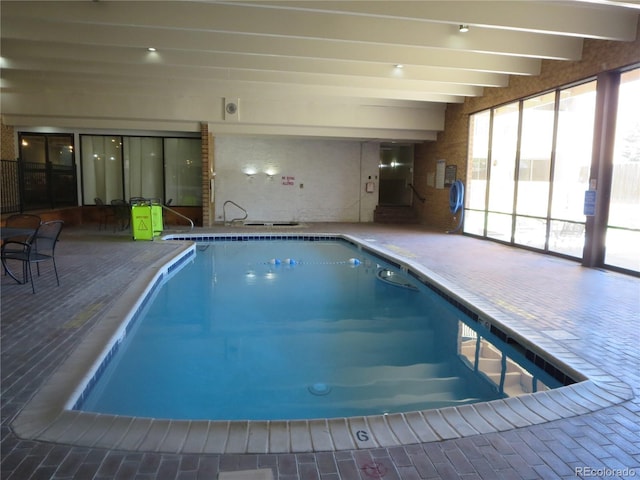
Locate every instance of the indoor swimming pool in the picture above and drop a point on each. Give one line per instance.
(281, 328)
(482, 342)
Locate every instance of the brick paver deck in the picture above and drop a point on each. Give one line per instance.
(591, 316)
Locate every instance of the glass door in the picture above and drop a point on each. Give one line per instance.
(396, 175)
(48, 170)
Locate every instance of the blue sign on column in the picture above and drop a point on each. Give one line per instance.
(590, 203)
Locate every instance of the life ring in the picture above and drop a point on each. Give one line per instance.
(456, 196)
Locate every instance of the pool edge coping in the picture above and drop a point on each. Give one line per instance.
(46, 416)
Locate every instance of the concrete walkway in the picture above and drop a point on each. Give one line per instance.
(590, 316)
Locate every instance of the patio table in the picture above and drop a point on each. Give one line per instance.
(13, 232)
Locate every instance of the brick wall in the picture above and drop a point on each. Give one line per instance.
(452, 144)
(7, 146)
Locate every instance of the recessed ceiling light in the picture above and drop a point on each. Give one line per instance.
(464, 28)
(151, 49)
(399, 65)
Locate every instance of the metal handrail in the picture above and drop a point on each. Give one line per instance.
(415, 192)
(179, 215)
(224, 212)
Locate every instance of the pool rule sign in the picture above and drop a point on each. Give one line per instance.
(589, 203)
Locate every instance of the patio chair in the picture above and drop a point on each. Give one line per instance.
(122, 214)
(105, 212)
(39, 248)
(19, 221)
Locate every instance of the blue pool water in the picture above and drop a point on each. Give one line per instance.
(297, 329)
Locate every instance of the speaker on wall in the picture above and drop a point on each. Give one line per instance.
(231, 113)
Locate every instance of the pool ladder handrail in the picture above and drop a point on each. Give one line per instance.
(165, 207)
(224, 212)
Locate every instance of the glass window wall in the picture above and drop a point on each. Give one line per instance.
(160, 168)
(623, 230)
(529, 167)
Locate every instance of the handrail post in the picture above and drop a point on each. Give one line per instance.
(224, 212)
(179, 215)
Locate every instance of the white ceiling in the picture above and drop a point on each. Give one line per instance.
(319, 68)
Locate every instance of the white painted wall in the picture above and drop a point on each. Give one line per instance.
(259, 113)
(281, 179)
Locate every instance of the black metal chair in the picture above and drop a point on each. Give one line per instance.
(105, 213)
(20, 221)
(37, 249)
(122, 213)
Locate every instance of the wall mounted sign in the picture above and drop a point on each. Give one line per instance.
(450, 173)
(590, 203)
(440, 174)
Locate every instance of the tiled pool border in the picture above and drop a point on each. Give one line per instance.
(49, 417)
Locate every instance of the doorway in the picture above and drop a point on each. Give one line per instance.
(47, 169)
(396, 174)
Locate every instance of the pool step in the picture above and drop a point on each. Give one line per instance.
(517, 380)
(387, 391)
(359, 375)
(385, 396)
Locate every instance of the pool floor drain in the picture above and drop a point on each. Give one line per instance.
(320, 389)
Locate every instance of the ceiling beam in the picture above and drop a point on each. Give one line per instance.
(58, 81)
(573, 18)
(45, 31)
(292, 24)
(199, 63)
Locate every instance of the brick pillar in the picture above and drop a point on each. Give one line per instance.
(208, 167)
(7, 142)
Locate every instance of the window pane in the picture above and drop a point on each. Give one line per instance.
(499, 226)
(101, 168)
(61, 150)
(503, 158)
(534, 169)
(143, 167)
(474, 222)
(573, 151)
(183, 171)
(624, 210)
(535, 155)
(576, 117)
(33, 155)
(567, 238)
(530, 232)
(623, 249)
(33, 148)
(63, 170)
(478, 158)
